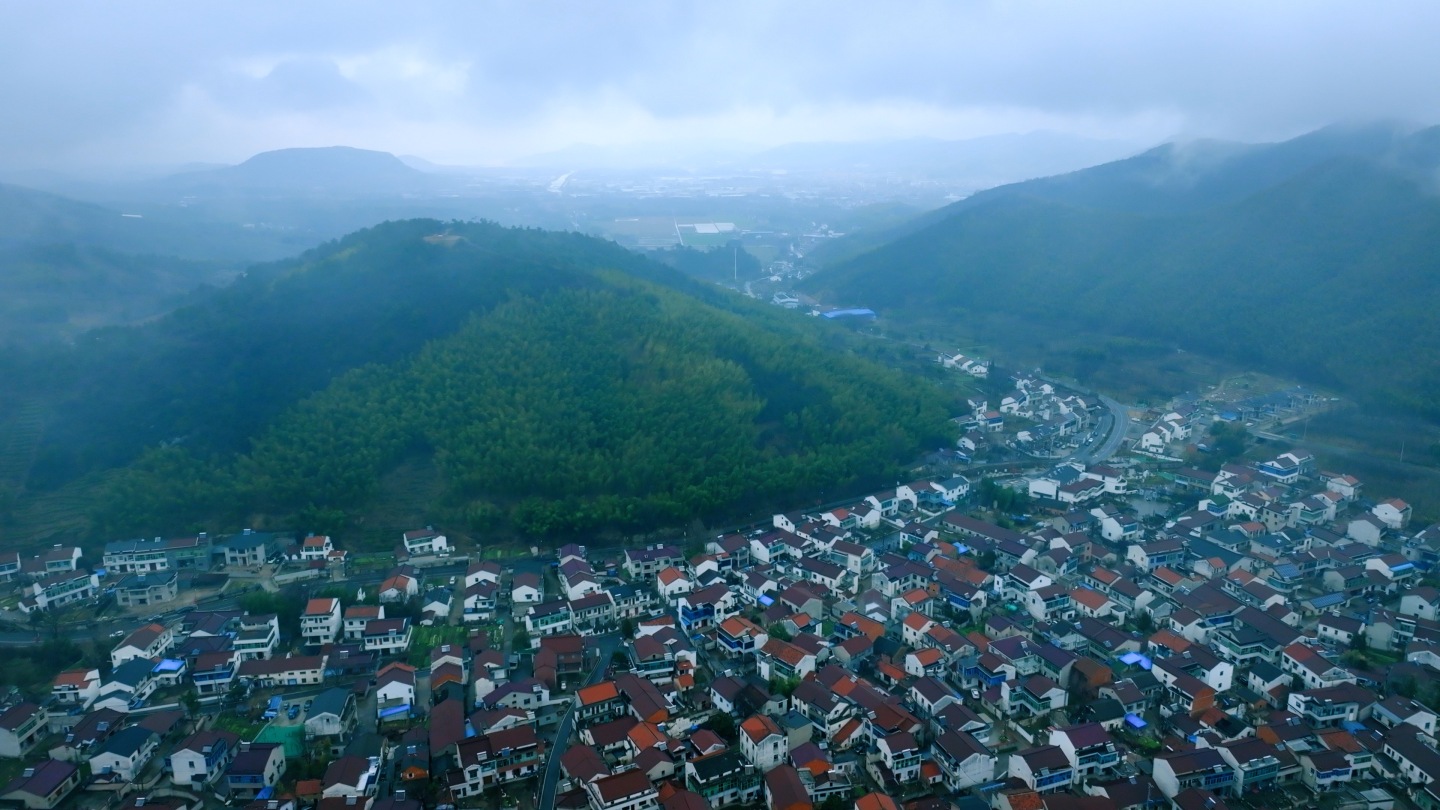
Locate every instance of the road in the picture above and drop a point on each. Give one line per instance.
(606, 645)
(1119, 427)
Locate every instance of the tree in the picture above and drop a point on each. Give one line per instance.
(627, 627)
(724, 725)
(778, 630)
(521, 639)
(191, 701)
(784, 687)
(1143, 622)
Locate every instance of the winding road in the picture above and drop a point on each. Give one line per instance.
(606, 644)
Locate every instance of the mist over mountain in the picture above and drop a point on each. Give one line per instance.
(1316, 257)
(324, 170)
(984, 162)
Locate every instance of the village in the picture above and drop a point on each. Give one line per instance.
(1271, 638)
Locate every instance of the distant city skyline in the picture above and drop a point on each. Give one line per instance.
(104, 85)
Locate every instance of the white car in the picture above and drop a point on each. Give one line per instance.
(117, 634)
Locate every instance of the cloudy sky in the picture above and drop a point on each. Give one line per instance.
(486, 83)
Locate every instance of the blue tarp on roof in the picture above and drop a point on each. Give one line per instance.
(394, 710)
(765, 600)
(1135, 658)
(1134, 721)
(265, 792)
(169, 665)
(851, 313)
(1405, 566)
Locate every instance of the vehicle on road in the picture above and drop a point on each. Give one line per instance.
(294, 711)
(117, 634)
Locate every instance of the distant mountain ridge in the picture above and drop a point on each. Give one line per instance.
(1317, 257)
(332, 169)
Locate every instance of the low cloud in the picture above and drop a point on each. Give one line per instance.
(488, 83)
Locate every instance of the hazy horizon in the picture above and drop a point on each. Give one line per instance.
(160, 85)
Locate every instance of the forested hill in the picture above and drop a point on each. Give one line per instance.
(1318, 258)
(552, 381)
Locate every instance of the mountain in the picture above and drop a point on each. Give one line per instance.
(979, 162)
(1317, 257)
(547, 381)
(324, 170)
(66, 266)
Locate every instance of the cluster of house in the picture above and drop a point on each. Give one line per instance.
(147, 571)
(1052, 417)
(137, 572)
(973, 366)
(838, 648)
(118, 746)
(109, 722)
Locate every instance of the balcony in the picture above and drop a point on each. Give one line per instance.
(1099, 760)
(1050, 779)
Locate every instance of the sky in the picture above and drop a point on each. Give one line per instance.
(487, 83)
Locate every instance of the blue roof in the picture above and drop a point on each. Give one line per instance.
(1287, 571)
(169, 665)
(1134, 721)
(1135, 658)
(394, 710)
(765, 600)
(265, 792)
(1405, 566)
(850, 313)
(1327, 600)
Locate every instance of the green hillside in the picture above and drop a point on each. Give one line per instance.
(1317, 258)
(557, 383)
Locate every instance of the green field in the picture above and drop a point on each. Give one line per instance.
(249, 730)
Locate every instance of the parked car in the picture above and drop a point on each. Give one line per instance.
(294, 711)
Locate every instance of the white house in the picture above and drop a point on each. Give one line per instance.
(1394, 513)
(320, 622)
(202, 758)
(316, 547)
(525, 588)
(671, 582)
(424, 542)
(150, 641)
(762, 742)
(964, 760)
(125, 754)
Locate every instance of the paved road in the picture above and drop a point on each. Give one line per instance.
(1118, 430)
(607, 645)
